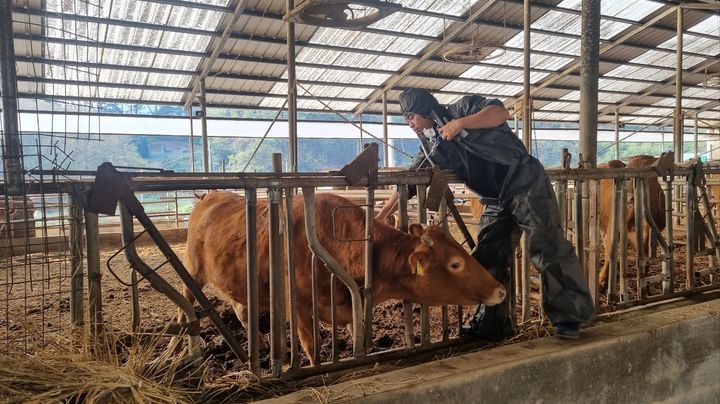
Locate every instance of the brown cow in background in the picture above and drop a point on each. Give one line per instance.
(657, 208)
(424, 266)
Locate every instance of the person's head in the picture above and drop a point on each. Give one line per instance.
(416, 105)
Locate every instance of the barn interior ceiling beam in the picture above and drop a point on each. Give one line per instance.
(220, 92)
(278, 18)
(452, 31)
(235, 76)
(669, 82)
(217, 46)
(574, 66)
(478, 20)
(550, 7)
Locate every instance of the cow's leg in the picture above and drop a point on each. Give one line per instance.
(242, 314)
(607, 245)
(305, 334)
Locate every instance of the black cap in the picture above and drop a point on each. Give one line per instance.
(417, 101)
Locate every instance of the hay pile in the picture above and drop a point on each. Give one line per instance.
(108, 370)
(74, 378)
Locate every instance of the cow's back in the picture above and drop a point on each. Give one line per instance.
(217, 243)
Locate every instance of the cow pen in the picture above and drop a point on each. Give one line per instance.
(53, 275)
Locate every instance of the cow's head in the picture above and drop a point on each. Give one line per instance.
(444, 273)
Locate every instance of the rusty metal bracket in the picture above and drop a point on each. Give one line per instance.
(364, 165)
(109, 188)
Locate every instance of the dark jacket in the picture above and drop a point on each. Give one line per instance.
(497, 145)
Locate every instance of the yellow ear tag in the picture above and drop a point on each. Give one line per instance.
(419, 269)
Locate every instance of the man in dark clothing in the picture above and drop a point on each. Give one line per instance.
(472, 138)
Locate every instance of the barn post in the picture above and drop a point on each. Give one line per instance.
(252, 280)
(622, 261)
(277, 276)
(443, 213)
(407, 305)
(12, 146)
(424, 309)
(690, 238)
(290, 253)
(640, 260)
(589, 70)
(527, 141)
(678, 114)
(94, 274)
(203, 121)
(192, 142)
(617, 133)
(386, 147)
(292, 91)
(77, 283)
(369, 240)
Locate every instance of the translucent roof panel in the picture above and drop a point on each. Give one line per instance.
(709, 26)
(558, 21)
(426, 25)
(621, 85)
(686, 103)
(711, 94)
(603, 97)
(470, 87)
(657, 58)
(548, 43)
(501, 74)
(338, 76)
(635, 72)
(634, 11)
(554, 116)
(561, 106)
(695, 44)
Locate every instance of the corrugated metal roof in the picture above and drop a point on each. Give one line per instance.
(83, 49)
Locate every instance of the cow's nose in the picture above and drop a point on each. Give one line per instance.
(497, 296)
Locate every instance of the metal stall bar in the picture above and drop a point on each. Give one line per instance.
(253, 306)
(76, 283)
(612, 255)
(292, 280)
(192, 324)
(668, 271)
(424, 308)
(94, 275)
(109, 187)
(442, 213)
(277, 284)
(690, 210)
(407, 305)
(336, 268)
(622, 261)
(369, 240)
(640, 261)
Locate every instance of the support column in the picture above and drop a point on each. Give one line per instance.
(203, 120)
(589, 71)
(678, 124)
(527, 113)
(617, 133)
(292, 92)
(386, 141)
(12, 152)
(192, 141)
(695, 134)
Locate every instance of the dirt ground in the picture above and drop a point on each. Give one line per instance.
(28, 321)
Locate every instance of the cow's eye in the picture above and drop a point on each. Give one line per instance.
(456, 265)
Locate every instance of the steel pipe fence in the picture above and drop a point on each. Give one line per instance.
(61, 297)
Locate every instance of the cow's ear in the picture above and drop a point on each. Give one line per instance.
(415, 229)
(418, 261)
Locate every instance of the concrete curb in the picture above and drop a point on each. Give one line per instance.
(671, 355)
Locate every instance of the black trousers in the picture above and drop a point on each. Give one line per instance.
(565, 294)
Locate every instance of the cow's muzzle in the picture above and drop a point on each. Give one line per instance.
(497, 296)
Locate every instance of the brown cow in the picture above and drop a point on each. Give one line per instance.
(657, 208)
(424, 267)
